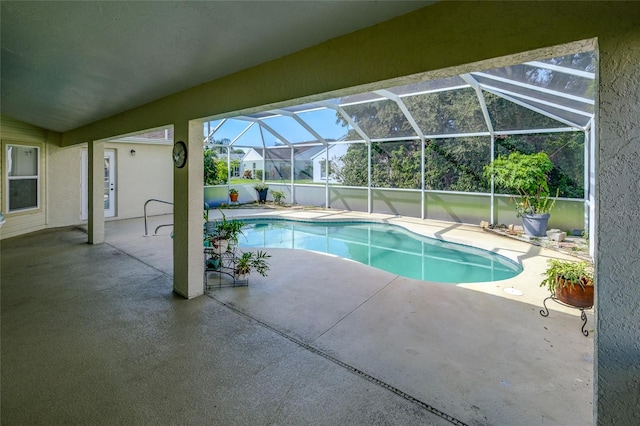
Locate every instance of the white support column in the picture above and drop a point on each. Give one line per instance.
(591, 185)
(369, 191)
(293, 174)
(326, 176)
(492, 198)
(188, 206)
(95, 194)
(422, 172)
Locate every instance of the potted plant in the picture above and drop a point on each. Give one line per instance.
(262, 190)
(233, 195)
(278, 196)
(223, 234)
(570, 282)
(527, 175)
(250, 261)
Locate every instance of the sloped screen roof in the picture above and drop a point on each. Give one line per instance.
(556, 93)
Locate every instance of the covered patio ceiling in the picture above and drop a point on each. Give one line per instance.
(559, 91)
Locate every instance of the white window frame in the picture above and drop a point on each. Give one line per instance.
(9, 179)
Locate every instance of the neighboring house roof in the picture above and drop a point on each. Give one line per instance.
(341, 148)
(284, 153)
(237, 156)
(252, 155)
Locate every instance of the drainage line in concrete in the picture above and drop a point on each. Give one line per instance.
(141, 261)
(348, 367)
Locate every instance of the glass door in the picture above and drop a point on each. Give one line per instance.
(109, 184)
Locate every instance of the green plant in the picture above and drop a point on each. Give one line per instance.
(205, 214)
(250, 261)
(226, 229)
(527, 175)
(233, 191)
(260, 186)
(277, 196)
(573, 273)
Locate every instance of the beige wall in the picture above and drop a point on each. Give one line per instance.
(147, 174)
(64, 190)
(13, 131)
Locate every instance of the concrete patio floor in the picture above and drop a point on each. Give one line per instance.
(94, 334)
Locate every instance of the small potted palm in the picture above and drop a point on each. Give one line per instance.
(278, 196)
(250, 261)
(527, 175)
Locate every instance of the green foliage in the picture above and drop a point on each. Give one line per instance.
(260, 186)
(565, 150)
(354, 166)
(215, 169)
(456, 164)
(259, 174)
(574, 273)
(233, 191)
(396, 165)
(250, 261)
(224, 229)
(527, 175)
(277, 196)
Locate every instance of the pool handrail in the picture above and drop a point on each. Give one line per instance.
(146, 233)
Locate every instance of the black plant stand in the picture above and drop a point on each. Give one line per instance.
(225, 265)
(545, 312)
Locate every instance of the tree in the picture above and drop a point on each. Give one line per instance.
(215, 169)
(354, 166)
(456, 164)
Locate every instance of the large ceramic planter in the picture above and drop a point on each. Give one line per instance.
(262, 195)
(574, 295)
(535, 225)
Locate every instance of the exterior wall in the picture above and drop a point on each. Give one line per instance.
(64, 189)
(252, 157)
(140, 177)
(17, 223)
(618, 235)
(148, 174)
(335, 152)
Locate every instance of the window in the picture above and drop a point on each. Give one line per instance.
(23, 177)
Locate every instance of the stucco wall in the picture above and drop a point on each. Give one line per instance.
(64, 189)
(618, 234)
(145, 175)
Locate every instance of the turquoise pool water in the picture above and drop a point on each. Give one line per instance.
(386, 247)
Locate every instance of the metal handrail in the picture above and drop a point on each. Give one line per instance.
(146, 234)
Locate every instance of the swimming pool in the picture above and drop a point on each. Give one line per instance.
(388, 247)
